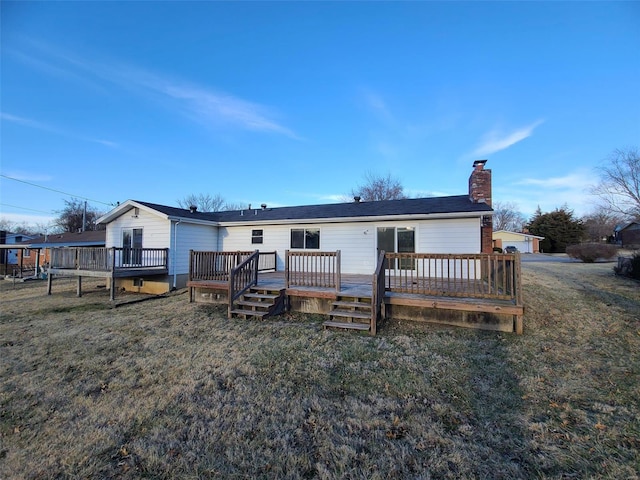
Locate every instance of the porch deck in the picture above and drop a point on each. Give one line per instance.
(112, 263)
(454, 295)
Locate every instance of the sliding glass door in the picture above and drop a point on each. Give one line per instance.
(132, 246)
(398, 240)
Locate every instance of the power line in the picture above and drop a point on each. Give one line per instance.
(25, 208)
(54, 190)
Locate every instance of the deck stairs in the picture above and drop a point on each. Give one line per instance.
(260, 303)
(352, 313)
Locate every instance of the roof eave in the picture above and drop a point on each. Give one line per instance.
(197, 221)
(371, 218)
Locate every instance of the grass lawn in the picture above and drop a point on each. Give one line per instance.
(168, 389)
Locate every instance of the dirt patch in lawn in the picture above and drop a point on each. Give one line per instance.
(169, 389)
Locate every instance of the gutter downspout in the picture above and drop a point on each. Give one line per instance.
(175, 248)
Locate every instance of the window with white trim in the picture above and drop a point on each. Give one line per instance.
(257, 236)
(305, 238)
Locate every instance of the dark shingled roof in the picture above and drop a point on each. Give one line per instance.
(409, 206)
(94, 237)
(179, 212)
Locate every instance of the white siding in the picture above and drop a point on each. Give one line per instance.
(155, 230)
(158, 232)
(357, 248)
(460, 235)
(190, 237)
(357, 240)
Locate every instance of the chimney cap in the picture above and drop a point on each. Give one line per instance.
(479, 164)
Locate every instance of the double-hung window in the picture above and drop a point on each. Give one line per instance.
(256, 236)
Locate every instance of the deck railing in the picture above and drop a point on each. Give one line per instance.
(268, 261)
(312, 269)
(214, 266)
(455, 275)
(242, 278)
(378, 291)
(107, 259)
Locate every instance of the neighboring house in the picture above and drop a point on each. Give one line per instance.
(524, 242)
(629, 235)
(9, 255)
(454, 224)
(37, 251)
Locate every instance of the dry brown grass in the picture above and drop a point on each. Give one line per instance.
(166, 389)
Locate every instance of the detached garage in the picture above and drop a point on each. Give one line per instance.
(524, 242)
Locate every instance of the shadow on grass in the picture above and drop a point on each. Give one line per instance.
(495, 399)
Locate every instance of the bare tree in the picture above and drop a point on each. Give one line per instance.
(507, 216)
(204, 201)
(20, 227)
(601, 223)
(73, 218)
(234, 206)
(619, 187)
(379, 187)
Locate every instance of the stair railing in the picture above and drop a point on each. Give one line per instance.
(242, 278)
(378, 291)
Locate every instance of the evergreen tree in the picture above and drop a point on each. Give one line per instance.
(559, 229)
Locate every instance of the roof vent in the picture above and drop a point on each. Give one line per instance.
(264, 206)
(356, 199)
(193, 208)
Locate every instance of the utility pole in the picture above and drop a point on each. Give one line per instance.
(84, 216)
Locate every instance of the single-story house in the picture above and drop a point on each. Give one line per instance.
(438, 262)
(10, 252)
(524, 242)
(359, 229)
(629, 235)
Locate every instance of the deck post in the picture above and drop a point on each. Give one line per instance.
(49, 282)
(79, 292)
(112, 292)
(338, 273)
(286, 269)
(518, 324)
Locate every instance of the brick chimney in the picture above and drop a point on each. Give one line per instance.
(480, 192)
(480, 183)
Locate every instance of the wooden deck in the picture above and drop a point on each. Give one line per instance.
(452, 296)
(112, 263)
(123, 272)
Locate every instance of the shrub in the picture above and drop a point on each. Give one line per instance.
(590, 252)
(629, 267)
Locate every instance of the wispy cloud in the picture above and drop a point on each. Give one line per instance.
(211, 107)
(28, 122)
(378, 106)
(28, 176)
(205, 105)
(550, 192)
(497, 140)
(573, 181)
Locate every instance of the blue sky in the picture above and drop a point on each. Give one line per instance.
(292, 103)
